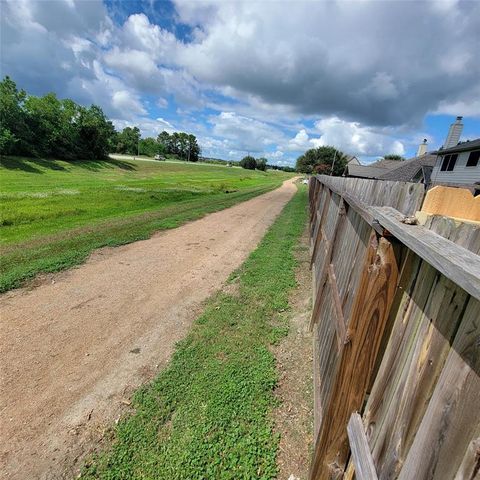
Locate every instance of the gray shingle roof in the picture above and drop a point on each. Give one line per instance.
(461, 147)
(374, 170)
(408, 169)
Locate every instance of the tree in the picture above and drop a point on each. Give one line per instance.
(193, 148)
(320, 160)
(181, 144)
(248, 162)
(261, 164)
(96, 133)
(12, 116)
(128, 140)
(392, 156)
(50, 127)
(149, 147)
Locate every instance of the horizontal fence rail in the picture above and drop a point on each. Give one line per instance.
(396, 327)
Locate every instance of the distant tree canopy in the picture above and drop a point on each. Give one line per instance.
(248, 162)
(181, 144)
(252, 163)
(320, 160)
(49, 127)
(392, 156)
(261, 164)
(128, 140)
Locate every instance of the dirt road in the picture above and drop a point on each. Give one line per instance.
(74, 348)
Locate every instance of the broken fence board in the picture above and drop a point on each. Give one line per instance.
(361, 456)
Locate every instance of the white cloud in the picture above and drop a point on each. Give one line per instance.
(247, 133)
(300, 142)
(355, 139)
(373, 62)
(126, 101)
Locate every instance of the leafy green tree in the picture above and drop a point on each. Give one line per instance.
(261, 164)
(96, 133)
(163, 141)
(128, 140)
(49, 127)
(320, 160)
(14, 131)
(392, 156)
(248, 162)
(182, 144)
(149, 147)
(193, 148)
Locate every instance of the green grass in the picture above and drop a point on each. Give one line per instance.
(209, 414)
(54, 213)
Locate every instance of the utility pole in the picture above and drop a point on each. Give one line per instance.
(333, 163)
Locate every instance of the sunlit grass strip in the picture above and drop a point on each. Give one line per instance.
(62, 250)
(208, 415)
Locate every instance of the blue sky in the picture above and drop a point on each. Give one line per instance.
(270, 78)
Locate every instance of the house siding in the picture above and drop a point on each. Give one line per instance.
(460, 175)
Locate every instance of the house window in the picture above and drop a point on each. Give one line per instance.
(473, 159)
(448, 163)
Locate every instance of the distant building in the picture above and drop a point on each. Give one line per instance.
(458, 165)
(352, 160)
(374, 170)
(417, 170)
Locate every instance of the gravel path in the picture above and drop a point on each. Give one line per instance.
(74, 347)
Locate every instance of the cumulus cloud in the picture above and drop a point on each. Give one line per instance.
(380, 63)
(247, 133)
(350, 137)
(364, 73)
(355, 139)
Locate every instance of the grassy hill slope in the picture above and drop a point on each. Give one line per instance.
(54, 213)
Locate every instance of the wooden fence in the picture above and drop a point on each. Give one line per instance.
(396, 322)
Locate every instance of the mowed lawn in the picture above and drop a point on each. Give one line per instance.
(54, 213)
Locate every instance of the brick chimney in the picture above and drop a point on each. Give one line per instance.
(454, 133)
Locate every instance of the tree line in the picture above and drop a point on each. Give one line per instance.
(49, 127)
(328, 161)
(252, 163)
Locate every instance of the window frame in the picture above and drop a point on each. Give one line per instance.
(448, 162)
(473, 152)
(452, 162)
(445, 162)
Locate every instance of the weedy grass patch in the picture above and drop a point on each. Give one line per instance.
(208, 415)
(54, 213)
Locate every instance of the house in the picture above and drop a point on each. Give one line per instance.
(417, 169)
(458, 165)
(374, 170)
(352, 160)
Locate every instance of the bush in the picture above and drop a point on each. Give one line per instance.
(248, 162)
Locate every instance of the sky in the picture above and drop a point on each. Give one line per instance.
(269, 78)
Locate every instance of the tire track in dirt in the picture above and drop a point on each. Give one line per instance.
(74, 348)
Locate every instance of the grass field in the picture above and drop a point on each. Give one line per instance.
(209, 414)
(54, 213)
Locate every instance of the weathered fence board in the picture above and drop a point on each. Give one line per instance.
(361, 456)
(397, 340)
(358, 356)
(453, 414)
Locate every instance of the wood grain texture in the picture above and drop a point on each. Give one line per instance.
(340, 320)
(455, 262)
(453, 414)
(421, 380)
(470, 467)
(418, 347)
(357, 358)
(361, 456)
